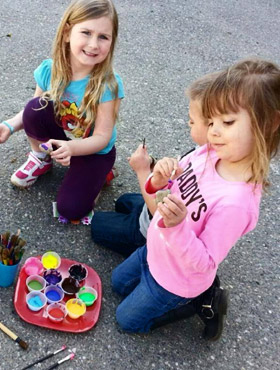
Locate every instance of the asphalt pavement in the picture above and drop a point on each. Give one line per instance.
(163, 46)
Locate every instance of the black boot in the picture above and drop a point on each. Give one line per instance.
(185, 311)
(213, 311)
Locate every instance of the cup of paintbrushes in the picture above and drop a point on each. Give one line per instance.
(7, 274)
(11, 251)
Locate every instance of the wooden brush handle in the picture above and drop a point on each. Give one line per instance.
(8, 331)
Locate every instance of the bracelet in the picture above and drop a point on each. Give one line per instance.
(11, 128)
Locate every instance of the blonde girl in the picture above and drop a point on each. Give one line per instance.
(75, 107)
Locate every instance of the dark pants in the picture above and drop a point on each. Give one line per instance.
(86, 175)
(119, 230)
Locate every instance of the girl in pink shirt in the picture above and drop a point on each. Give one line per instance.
(214, 200)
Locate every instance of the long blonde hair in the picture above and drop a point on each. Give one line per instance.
(254, 85)
(77, 12)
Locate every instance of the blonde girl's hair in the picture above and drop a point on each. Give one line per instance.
(197, 88)
(77, 12)
(254, 85)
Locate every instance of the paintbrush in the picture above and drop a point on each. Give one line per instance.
(5, 238)
(12, 335)
(44, 358)
(14, 239)
(69, 357)
(174, 171)
(11, 248)
(5, 256)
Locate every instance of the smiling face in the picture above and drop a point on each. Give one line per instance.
(230, 135)
(90, 43)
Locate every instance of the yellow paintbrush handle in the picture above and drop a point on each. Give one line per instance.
(8, 331)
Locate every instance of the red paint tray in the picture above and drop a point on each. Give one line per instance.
(84, 323)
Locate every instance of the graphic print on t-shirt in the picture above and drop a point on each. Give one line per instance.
(71, 124)
(190, 192)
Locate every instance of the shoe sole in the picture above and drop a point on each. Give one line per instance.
(222, 309)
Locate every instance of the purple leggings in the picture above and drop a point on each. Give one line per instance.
(86, 175)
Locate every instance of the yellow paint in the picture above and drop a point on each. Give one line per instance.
(75, 308)
(50, 262)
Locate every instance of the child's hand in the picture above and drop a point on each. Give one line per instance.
(140, 159)
(165, 169)
(172, 210)
(63, 154)
(5, 133)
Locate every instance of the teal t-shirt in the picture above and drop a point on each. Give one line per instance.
(72, 99)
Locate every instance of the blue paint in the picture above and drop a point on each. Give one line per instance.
(35, 302)
(53, 295)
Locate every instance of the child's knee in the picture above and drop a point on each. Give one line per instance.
(125, 321)
(68, 210)
(130, 323)
(33, 109)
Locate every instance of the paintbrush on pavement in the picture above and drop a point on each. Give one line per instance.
(69, 357)
(45, 357)
(12, 335)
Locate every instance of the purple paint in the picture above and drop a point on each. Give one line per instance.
(44, 146)
(52, 276)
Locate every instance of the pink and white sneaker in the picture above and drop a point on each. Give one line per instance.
(29, 172)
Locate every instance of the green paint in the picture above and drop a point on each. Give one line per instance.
(35, 285)
(87, 297)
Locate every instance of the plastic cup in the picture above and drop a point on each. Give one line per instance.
(54, 294)
(56, 312)
(36, 283)
(33, 266)
(52, 277)
(87, 294)
(75, 308)
(7, 274)
(78, 272)
(51, 260)
(36, 300)
(70, 286)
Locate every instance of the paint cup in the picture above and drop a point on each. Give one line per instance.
(7, 274)
(78, 272)
(52, 277)
(88, 295)
(54, 293)
(35, 282)
(36, 300)
(33, 266)
(56, 312)
(51, 260)
(75, 308)
(70, 286)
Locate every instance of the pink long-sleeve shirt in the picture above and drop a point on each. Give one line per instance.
(184, 259)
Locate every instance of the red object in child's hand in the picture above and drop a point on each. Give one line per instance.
(111, 175)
